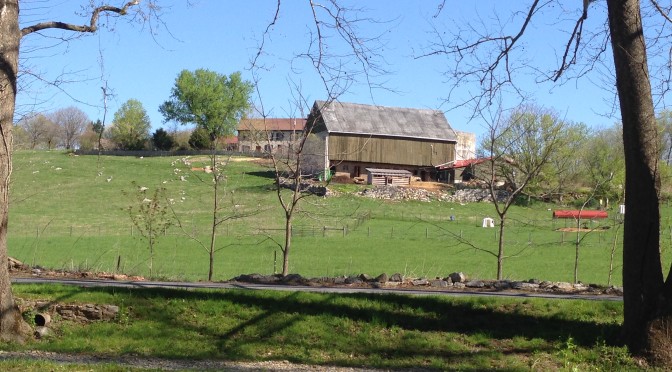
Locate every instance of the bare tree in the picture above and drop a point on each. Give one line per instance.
(291, 176)
(341, 55)
(71, 122)
(495, 62)
(518, 146)
(36, 129)
(12, 326)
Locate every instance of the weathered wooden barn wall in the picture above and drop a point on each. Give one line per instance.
(389, 150)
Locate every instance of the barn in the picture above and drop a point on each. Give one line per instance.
(354, 137)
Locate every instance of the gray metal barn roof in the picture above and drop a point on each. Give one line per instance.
(353, 118)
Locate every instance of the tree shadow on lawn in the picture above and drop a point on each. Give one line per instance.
(384, 330)
(263, 174)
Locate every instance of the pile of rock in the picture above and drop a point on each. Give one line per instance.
(474, 196)
(400, 193)
(454, 281)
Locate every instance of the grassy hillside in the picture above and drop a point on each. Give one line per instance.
(70, 212)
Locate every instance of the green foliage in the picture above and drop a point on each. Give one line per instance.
(162, 140)
(200, 139)
(212, 101)
(130, 128)
(604, 163)
(98, 127)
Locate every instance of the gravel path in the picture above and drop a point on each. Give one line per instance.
(174, 364)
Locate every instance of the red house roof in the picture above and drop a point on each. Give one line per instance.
(462, 163)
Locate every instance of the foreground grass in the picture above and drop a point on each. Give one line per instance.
(378, 331)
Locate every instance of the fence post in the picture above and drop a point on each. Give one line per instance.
(426, 232)
(324, 231)
(392, 232)
(344, 228)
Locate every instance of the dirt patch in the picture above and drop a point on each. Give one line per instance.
(432, 186)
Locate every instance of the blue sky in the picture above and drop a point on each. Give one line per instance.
(222, 36)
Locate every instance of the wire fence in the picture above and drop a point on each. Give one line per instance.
(404, 225)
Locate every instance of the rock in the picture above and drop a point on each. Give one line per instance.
(382, 278)
(459, 285)
(397, 278)
(502, 284)
(353, 280)
(618, 291)
(419, 282)
(257, 278)
(87, 312)
(563, 286)
(475, 284)
(42, 332)
(533, 281)
(293, 279)
(458, 277)
(366, 277)
(524, 286)
(391, 284)
(438, 283)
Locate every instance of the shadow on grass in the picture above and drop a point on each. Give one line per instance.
(263, 174)
(385, 331)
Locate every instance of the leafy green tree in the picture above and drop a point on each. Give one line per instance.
(97, 127)
(208, 99)
(130, 128)
(564, 168)
(162, 140)
(215, 103)
(603, 159)
(200, 139)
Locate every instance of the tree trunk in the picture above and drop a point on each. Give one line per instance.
(577, 243)
(646, 296)
(288, 245)
(500, 251)
(215, 212)
(12, 326)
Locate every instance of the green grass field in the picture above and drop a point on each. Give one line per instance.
(69, 212)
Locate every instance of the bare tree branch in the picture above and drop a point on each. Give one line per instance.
(93, 22)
